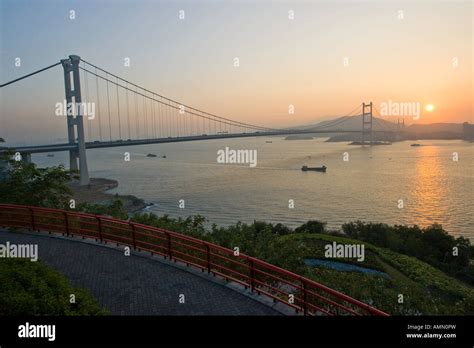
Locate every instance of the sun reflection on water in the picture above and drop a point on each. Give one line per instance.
(429, 191)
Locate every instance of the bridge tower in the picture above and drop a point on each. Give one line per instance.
(366, 123)
(75, 124)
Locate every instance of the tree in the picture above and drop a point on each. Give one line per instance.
(114, 209)
(312, 226)
(24, 183)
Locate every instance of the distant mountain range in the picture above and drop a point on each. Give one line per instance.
(412, 132)
(435, 127)
(349, 123)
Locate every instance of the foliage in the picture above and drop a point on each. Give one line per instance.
(32, 288)
(27, 184)
(312, 226)
(415, 258)
(192, 225)
(426, 289)
(431, 244)
(114, 209)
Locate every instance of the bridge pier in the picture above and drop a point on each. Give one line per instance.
(75, 124)
(73, 159)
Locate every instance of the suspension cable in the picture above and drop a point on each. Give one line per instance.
(28, 75)
(174, 101)
(227, 122)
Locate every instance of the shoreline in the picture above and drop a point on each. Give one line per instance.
(96, 193)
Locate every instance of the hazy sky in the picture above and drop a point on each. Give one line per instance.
(282, 61)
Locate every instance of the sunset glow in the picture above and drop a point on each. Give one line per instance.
(282, 61)
(429, 107)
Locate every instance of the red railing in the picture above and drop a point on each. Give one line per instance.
(298, 292)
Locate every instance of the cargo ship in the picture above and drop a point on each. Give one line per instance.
(314, 169)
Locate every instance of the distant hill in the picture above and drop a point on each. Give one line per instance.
(349, 123)
(353, 123)
(412, 132)
(434, 128)
(434, 131)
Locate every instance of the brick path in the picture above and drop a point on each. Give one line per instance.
(137, 285)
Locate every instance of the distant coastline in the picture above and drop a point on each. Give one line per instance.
(299, 137)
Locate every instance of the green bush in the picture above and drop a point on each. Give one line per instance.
(25, 183)
(32, 288)
(312, 226)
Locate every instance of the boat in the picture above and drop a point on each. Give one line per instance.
(50, 155)
(151, 155)
(314, 169)
(164, 156)
(269, 141)
(415, 144)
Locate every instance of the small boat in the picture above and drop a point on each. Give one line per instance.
(314, 169)
(164, 156)
(151, 155)
(50, 155)
(269, 141)
(415, 145)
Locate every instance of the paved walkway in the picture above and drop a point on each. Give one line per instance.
(136, 285)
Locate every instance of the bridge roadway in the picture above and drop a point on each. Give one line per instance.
(138, 284)
(130, 142)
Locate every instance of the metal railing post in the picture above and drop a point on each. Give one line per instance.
(133, 235)
(208, 256)
(252, 276)
(66, 222)
(305, 298)
(33, 225)
(99, 223)
(170, 255)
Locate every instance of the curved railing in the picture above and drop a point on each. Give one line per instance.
(298, 292)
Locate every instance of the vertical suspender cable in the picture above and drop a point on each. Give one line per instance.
(153, 117)
(137, 123)
(160, 124)
(144, 110)
(108, 107)
(86, 87)
(118, 111)
(98, 104)
(184, 123)
(168, 117)
(128, 114)
(178, 120)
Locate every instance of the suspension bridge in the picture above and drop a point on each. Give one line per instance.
(128, 114)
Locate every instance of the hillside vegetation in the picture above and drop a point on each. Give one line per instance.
(431, 269)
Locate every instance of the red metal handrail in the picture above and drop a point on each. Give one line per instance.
(300, 293)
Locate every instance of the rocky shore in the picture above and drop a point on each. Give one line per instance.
(96, 192)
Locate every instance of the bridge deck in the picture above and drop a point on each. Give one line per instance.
(131, 142)
(134, 285)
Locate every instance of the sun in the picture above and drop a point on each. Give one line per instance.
(429, 107)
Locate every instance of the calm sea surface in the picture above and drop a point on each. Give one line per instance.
(433, 187)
